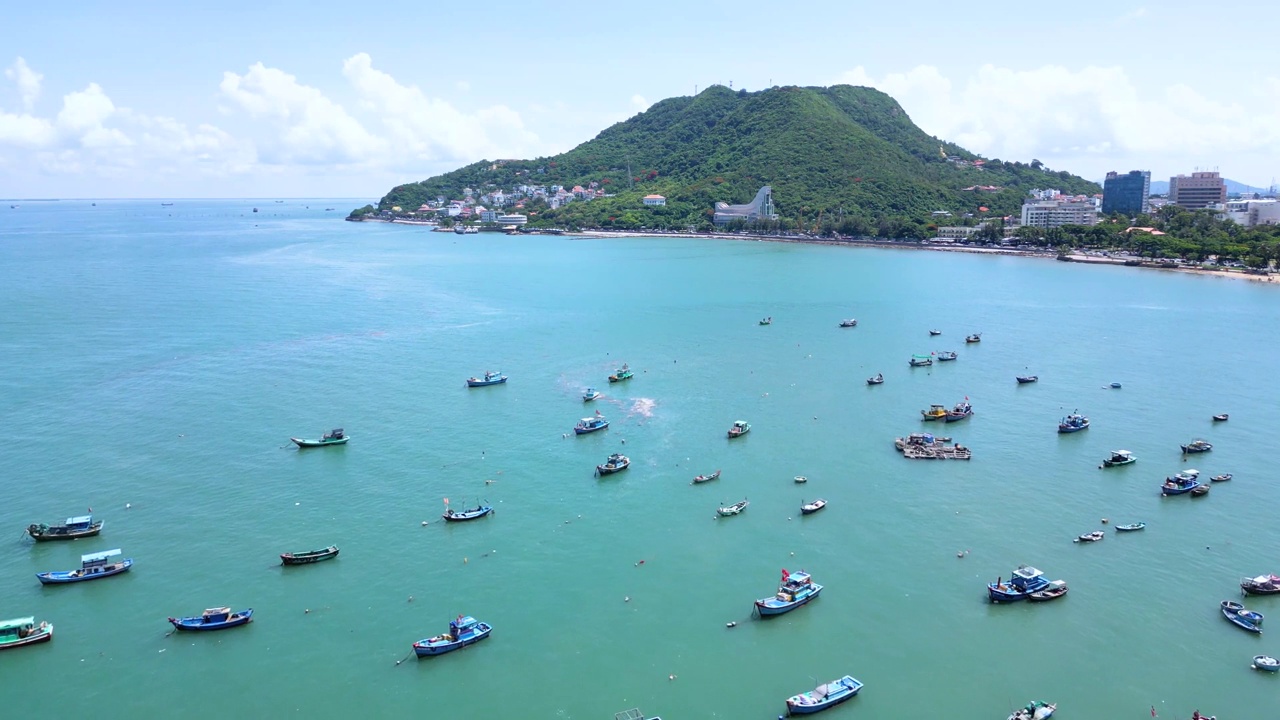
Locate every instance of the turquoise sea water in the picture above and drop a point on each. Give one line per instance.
(162, 356)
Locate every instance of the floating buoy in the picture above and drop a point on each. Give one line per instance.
(1104, 521)
(465, 561)
(626, 599)
(128, 505)
(960, 554)
(639, 563)
(671, 677)
(307, 611)
(731, 624)
(424, 523)
(410, 598)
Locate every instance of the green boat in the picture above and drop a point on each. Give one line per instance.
(622, 373)
(23, 631)
(308, 557)
(334, 437)
(1119, 457)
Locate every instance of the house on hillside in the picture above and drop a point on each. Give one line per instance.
(654, 200)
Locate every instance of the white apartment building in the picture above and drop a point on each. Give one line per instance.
(1056, 213)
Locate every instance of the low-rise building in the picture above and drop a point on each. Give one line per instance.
(1252, 212)
(1059, 212)
(654, 200)
(511, 219)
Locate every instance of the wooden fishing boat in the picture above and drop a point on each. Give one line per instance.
(74, 527)
(1089, 537)
(308, 557)
(824, 696)
(934, 333)
(490, 378)
(1134, 527)
(1197, 446)
(214, 619)
(463, 631)
(1241, 617)
(812, 507)
(1265, 663)
(920, 360)
(707, 478)
(622, 373)
(24, 631)
(333, 437)
(947, 356)
(1118, 458)
(976, 337)
(1074, 422)
(961, 411)
(1224, 477)
(935, 412)
(1024, 581)
(1035, 710)
(877, 380)
(1024, 379)
(1053, 591)
(767, 321)
(848, 323)
(590, 424)
(1261, 585)
(1200, 491)
(740, 428)
(617, 462)
(733, 509)
(800, 479)
(590, 394)
(1220, 418)
(478, 511)
(92, 567)
(796, 589)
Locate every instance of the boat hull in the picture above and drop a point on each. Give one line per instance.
(1118, 463)
(794, 709)
(304, 443)
(42, 634)
(197, 624)
(706, 478)
(578, 430)
(606, 470)
(1068, 429)
(91, 531)
(485, 383)
(308, 558)
(769, 607)
(60, 577)
(466, 515)
(428, 648)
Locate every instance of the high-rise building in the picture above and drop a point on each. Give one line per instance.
(1059, 212)
(1200, 190)
(1127, 194)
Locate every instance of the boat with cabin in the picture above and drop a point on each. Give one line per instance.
(590, 394)
(1261, 585)
(590, 424)
(1197, 446)
(1132, 527)
(796, 589)
(1118, 458)
(219, 618)
(920, 360)
(1055, 590)
(706, 478)
(848, 323)
(635, 714)
(617, 462)
(733, 509)
(92, 567)
(935, 412)
(1265, 663)
(877, 380)
(974, 338)
(1220, 418)
(767, 321)
(491, 377)
(1034, 710)
(24, 631)
(479, 511)
(1089, 537)
(824, 696)
(962, 411)
(947, 356)
(1075, 422)
(934, 333)
(75, 527)
(1024, 379)
(1183, 482)
(622, 373)
(463, 630)
(309, 556)
(740, 428)
(812, 507)
(333, 437)
(1241, 617)
(1024, 581)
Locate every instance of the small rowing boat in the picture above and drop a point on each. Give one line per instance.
(812, 507)
(707, 478)
(733, 509)
(308, 557)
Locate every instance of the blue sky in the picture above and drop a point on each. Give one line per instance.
(319, 99)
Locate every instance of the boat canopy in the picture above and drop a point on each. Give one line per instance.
(211, 612)
(799, 577)
(1027, 572)
(17, 623)
(1121, 453)
(922, 357)
(463, 622)
(82, 520)
(99, 556)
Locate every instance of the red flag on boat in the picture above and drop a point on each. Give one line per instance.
(785, 574)
(597, 412)
(1153, 711)
(446, 501)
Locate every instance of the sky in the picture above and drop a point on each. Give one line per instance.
(318, 99)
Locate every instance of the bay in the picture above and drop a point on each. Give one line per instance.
(157, 359)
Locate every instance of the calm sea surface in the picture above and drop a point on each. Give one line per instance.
(157, 359)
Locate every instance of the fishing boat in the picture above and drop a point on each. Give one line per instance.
(214, 619)
(849, 323)
(1224, 477)
(1115, 386)
(24, 631)
(1055, 590)
(479, 511)
(92, 567)
(1261, 585)
(1241, 617)
(1118, 458)
(1024, 581)
(800, 479)
(877, 380)
(767, 321)
(622, 373)
(706, 478)
(1183, 482)
(935, 412)
(308, 557)
(463, 630)
(617, 462)
(796, 589)
(1265, 663)
(1200, 491)
(491, 377)
(1220, 418)
(1074, 422)
(1089, 537)
(74, 527)
(740, 428)
(1024, 379)
(590, 424)
(1132, 527)
(1196, 446)
(920, 360)
(946, 356)
(733, 509)
(824, 696)
(961, 411)
(333, 437)
(1034, 710)
(976, 337)
(635, 714)
(590, 394)
(812, 507)
(934, 333)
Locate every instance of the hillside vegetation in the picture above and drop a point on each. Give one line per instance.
(844, 157)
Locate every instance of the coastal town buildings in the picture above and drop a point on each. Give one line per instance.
(1127, 194)
(1198, 190)
(654, 200)
(761, 208)
(1060, 210)
(512, 219)
(1251, 212)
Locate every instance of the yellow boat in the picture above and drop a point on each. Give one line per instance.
(935, 412)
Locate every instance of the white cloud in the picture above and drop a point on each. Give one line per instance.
(640, 103)
(85, 110)
(25, 131)
(28, 82)
(1088, 120)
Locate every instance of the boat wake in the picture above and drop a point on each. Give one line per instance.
(643, 407)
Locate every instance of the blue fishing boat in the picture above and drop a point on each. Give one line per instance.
(590, 424)
(1265, 663)
(1074, 422)
(92, 566)
(961, 411)
(824, 696)
(1036, 710)
(214, 619)
(590, 394)
(463, 631)
(1241, 617)
(617, 462)
(1024, 379)
(795, 590)
(490, 378)
(848, 323)
(946, 356)
(1183, 482)
(1197, 446)
(1024, 581)
(478, 511)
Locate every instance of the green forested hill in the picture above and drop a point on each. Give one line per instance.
(841, 155)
